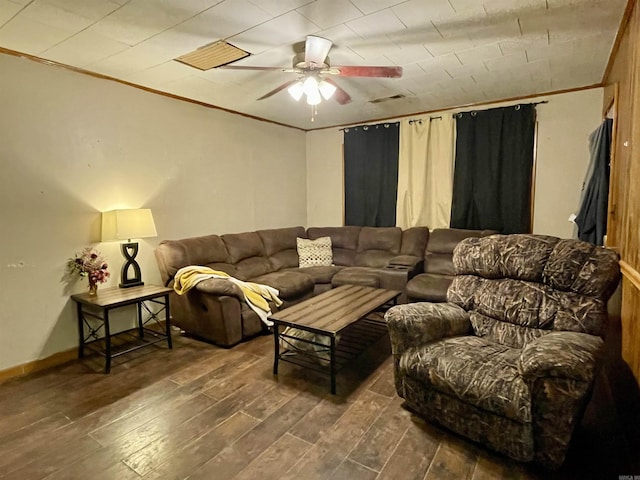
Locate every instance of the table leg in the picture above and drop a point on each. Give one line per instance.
(140, 329)
(333, 365)
(167, 320)
(80, 331)
(107, 340)
(276, 350)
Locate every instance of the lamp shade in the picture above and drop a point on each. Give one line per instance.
(127, 224)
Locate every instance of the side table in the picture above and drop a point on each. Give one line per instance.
(97, 308)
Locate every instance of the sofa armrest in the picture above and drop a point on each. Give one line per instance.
(416, 324)
(219, 286)
(571, 355)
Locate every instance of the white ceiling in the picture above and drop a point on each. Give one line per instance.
(454, 52)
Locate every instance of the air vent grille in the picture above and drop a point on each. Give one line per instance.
(386, 99)
(213, 55)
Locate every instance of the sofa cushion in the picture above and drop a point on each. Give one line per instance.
(478, 372)
(208, 250)
(414, 241)
(364, 276)
(429, 287)
(247, 253)
(440, 263)
(344, 242)
(376, 246)
(280, 246)
(289, 284)
(312, 253)
(320, 274)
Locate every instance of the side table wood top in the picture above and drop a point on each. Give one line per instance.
(115, 296)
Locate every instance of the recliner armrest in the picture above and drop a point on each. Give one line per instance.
(219, 286)
(561, 354)
(417, 324)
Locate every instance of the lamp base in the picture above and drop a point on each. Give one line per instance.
(130, 276)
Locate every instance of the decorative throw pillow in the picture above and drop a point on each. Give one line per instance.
(312, 253)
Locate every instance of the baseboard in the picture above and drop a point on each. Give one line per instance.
(40, 364)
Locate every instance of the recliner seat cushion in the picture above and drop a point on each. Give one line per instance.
(482, 373)
(319, 274)
(430, 287)
(363, 276)
(288, 283)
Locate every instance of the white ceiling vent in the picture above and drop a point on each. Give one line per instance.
(213, 55)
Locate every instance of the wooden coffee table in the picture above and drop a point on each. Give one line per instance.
(324, 318)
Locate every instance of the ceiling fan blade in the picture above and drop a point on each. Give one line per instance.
(358, 71)
(340, 95)
(278, 89)
(316, 50)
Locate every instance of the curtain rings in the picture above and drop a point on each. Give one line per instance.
(474, 113)
(518, 107)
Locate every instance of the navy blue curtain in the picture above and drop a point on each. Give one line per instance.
(594, 201)
(493, 169)
(371, 174)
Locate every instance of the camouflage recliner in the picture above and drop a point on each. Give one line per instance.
(510, 360)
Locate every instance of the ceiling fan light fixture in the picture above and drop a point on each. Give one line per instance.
(296, 90)
(310, 87)
(314, 98)
(326, 89)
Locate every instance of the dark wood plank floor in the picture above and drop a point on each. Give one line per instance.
(202, 412)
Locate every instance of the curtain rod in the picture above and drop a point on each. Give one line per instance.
(419, 120)
(367, 126)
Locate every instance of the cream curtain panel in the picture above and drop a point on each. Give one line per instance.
(425, 172)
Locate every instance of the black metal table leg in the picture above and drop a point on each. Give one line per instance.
(140, 329)
(167, 321)
(333, 364)
(107, 340)
(276, 355)
(80, 331)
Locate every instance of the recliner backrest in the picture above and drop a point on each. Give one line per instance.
(519, 287)
(378, 245)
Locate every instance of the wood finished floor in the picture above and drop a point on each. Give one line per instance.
(202, 412)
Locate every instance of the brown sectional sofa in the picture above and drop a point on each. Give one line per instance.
(432, 283)
(214, 309)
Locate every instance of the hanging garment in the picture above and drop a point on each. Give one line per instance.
(594, 199)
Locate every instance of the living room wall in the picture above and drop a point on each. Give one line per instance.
(72, 146)
(564, 124)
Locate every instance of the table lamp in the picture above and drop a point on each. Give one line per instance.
(125, 225)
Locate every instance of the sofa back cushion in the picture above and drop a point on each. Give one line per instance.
(247, 254)
(280, 246)
(377, 245)
(344, 242)
(414, 241)
(518, 287)
(208, 250)
(438, 256)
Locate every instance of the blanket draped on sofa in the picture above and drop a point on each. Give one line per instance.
(255, 294)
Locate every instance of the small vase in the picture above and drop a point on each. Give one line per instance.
(93, 288)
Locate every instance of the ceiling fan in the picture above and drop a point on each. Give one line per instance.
(314, 72)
